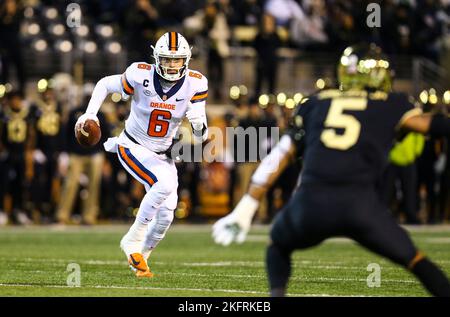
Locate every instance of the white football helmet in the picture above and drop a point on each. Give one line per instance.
(171, 45)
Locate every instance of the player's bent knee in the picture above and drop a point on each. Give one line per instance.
(164, 187)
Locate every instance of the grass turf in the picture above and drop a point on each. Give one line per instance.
(34, 261)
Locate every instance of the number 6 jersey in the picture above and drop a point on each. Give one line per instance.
(157, 113)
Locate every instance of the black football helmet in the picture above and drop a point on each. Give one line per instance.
(364, 67)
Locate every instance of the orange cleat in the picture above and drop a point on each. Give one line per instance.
(137, 261)
(147, 274)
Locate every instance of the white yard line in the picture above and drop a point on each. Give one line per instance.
(172, 289)
(298, 264)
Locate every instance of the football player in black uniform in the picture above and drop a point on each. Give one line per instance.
(46, 113)
(344, 137)
(17, 139)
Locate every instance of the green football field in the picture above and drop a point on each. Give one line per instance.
(34, 261)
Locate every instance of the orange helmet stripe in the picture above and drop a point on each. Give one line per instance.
(173, 41)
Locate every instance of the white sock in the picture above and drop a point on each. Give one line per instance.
(146, 252)
(132, 241)
(157, 229)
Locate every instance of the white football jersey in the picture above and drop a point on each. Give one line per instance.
(156, 115)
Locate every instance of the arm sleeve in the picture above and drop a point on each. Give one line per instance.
(272, 161)
(104, 87)
(197, 104)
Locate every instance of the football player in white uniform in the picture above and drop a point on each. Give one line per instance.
(162, 95)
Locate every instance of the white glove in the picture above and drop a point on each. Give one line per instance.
(196, 119)
(82, 119)
(236, 225)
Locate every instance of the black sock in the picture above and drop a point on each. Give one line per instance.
(432, 278)
(278, 263)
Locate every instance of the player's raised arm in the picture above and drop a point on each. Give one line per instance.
(123, 84)
(436, 125)
(236, 225)
(105, 86)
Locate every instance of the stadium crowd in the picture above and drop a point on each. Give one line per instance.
(46, 176)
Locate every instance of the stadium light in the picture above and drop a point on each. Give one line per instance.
(114, 47)
(42, 85)
(446, 97)
(290, 103)
(57, 29)
(263, 101)
(8, 87)
(243, 90)
(90, 47)
(181, 211)
(234, 92)
(82, 31)
(64, 46)
(433, 99)
(281, 98)
(51, 13)
(423, 96)
(104, 30)
(33, 29)
(2, 90)
(320, 83)
(40, 45)
(298, 97)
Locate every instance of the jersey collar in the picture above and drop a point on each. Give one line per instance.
(172, 91)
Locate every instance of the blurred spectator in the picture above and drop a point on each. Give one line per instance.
(309, 32)
(173, 12)
(11, 17)
(246, 12)
(48, 126)
(82, 161)
(284, 11)
(444, 195)
(17, 139)
(341, 28)
(402, 171)
(216, 31)
(3, 157)
(141, 21)
(266, 44)
(396, 27)
(428, 29)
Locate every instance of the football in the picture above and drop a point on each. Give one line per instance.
(89, 134)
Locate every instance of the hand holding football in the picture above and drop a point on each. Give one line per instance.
(88, 134)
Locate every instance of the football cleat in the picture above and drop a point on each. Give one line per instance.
(137, 262)
(147, 274)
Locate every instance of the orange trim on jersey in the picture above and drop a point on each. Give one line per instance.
(173, 41)
(200, 96)
(134, 167)
(126, 86)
